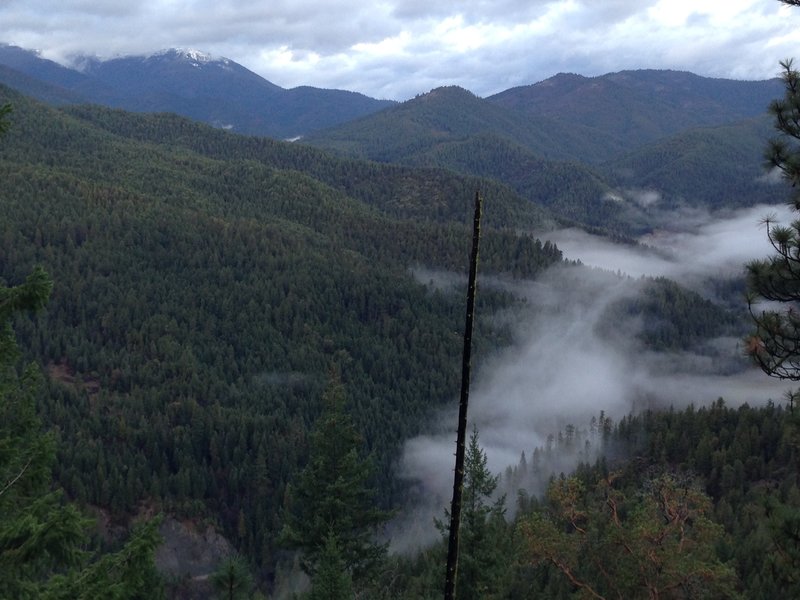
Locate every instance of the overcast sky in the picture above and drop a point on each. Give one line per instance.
(399, 48)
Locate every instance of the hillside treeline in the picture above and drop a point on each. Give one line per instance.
(205, 288)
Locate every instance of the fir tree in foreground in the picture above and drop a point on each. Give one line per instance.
(332, 509)
(332, 581)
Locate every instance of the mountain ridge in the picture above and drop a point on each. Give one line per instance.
(564, 143)
(641, 105)
(192, 83)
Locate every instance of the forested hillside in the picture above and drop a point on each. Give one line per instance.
(634, 108)
(219, 301)
(690, 503)
(671, 133)
(204, 287)
(714, 167)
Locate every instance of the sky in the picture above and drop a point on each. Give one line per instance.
(396, 49)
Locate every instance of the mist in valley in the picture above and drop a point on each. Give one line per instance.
(567, 363)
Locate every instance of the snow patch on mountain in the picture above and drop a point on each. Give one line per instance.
(196, 58)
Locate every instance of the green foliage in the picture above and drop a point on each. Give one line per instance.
(721, 483)
(332, 580)
(783, 152)
(332, 502)
(659, 542)
(232, 579)
(5, 110)
(205, 281)
(482, 551)
(775, 345)
(714, 167)
(128, 574)
(628, 109)
(445, 115)
(452, 129)
(672, 317)
(545, 141)
(37, 534)
(483, 536)
(31, 296)
(43, 540)
(745, 459)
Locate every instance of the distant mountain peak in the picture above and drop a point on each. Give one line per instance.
(195, 57)
(449, 89)
(445, 93)
(193, 54)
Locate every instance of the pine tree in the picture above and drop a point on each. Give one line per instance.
(42, 537)
(657, 542)
(483, 531)
(232, 579)
(332, 496)
(37, 534)
(775, 345)
(5, 110)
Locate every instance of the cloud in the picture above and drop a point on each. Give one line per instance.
(398, 49)
(564, 367)
(691, 246)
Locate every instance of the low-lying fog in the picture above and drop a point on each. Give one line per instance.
(559, 369)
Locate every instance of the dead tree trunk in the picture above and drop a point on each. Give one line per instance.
(458, 477)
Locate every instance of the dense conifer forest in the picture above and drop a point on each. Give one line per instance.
(199, 303)
(234, 319)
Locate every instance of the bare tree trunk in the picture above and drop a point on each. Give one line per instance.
(458, 477)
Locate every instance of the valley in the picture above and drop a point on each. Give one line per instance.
(214, 287)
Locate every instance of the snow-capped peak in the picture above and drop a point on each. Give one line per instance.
(195, 57)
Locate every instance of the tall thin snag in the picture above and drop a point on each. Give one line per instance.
(458, 476)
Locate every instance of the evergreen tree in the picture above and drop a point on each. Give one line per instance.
(43, 539)
(232, 579)
(332, 581)
(37, 533)
(5, 109)
(484, 536)
(128, 574)
(655, 543)
(332, 497)
(775, 345)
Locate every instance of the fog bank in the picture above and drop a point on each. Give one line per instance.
(562, 370)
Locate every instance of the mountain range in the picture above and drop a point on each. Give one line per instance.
(213, 90)
(582, 147)
(583, 162)
(210, 285)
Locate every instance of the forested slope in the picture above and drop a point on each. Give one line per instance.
(207, 285)
(715, 167)
(701, 502)
(631, 132)
(204, 286)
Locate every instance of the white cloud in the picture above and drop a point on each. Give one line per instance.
(400, 48)
(695, 246)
